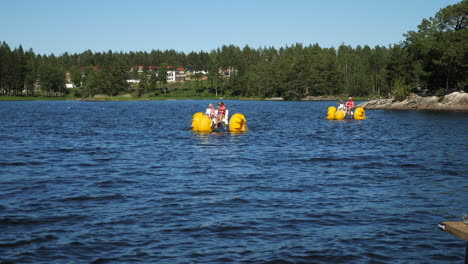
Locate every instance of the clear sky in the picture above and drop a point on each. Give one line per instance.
(58, 26)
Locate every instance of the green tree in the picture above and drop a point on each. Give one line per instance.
(377, 62)
(143, 85)
(31, 72)
(152, 83)
(440, 48)
(52, 80)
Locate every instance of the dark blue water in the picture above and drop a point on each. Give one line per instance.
(128, 182)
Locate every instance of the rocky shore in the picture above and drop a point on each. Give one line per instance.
(455, 101)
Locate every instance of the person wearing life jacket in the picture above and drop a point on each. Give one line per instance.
(349, 106)
(221, 113)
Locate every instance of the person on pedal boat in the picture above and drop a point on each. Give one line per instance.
(221, 113)
(349, 106)
(340, 106)
(210, 111)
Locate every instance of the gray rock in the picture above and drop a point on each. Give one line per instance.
(455, 101)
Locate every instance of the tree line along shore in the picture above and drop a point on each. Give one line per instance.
(431, 61)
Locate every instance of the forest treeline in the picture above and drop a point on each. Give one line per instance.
(432, 59)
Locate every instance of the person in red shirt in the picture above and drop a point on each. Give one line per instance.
(221, 113)
(349, 106)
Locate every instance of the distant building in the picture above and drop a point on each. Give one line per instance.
(68, 81)
(191, 74)
(171, 76)
(175, 75)
(68, 77)
(227, 72)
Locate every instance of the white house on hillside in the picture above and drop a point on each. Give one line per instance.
(175, 76)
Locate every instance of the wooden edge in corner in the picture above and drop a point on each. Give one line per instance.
(456, 228)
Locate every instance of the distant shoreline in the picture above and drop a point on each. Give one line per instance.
(452, 102)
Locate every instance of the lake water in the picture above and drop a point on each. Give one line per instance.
(128, 182)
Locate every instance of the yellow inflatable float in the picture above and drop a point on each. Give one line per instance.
(359, 113)
(195, 118)
(201, 123)
(331, 113)
(237, 123)
(340, 114)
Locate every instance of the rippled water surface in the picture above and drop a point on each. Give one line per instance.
(128, 182)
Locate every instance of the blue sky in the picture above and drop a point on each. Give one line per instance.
(54, 26)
